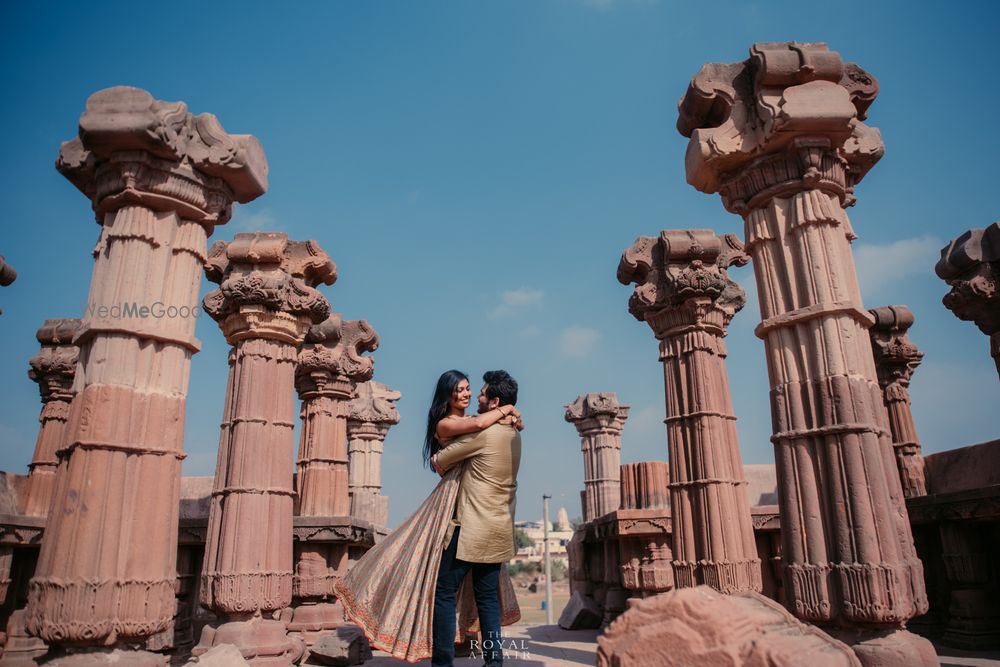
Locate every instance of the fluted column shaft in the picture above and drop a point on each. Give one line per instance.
(710, 511)
(248, 556)
(153, 172)
(107, 564)
(366, 443)
(323, 459)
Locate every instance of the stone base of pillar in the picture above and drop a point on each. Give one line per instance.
(102, 657)
(889, 648)
(973, 621)
(310, 620)
(21, 649)
(262, 642)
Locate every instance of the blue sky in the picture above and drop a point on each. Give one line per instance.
(476, 169)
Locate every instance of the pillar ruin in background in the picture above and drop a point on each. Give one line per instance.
(159, 179)
(370, 415)
(896, 357)
(780, 138)
(969, 265)
(265, 304)
(330, 364)
(598, 419)
(684, 293)
(53, 368)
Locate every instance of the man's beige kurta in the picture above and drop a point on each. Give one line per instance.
(487, 493)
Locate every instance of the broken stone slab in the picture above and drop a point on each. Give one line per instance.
(581, 613)
(347, 645)
(223, 655)
(700, 626)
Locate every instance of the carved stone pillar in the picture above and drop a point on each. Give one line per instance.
(160, 179)
(896, 357)
(264, 305)
(369, 417)
(599, 419)
(971, 266)
(684, 293)
(780, 138)
(53, 368)
(329, 366)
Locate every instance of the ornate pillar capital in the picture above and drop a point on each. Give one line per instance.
(54, 367)
(896, 357)
(135, 150)
(971, 266)
(331, 362)
(267, 286)
(681, 280)
(597, 413)
(786, 119)
(372, 412)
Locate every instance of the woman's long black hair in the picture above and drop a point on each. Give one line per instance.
(439, 408)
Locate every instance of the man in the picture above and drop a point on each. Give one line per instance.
(483, 539)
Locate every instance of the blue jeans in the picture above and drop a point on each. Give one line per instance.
(485, 581)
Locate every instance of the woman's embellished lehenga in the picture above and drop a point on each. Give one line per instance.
(389, 592)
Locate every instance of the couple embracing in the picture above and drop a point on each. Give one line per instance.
(450, 555)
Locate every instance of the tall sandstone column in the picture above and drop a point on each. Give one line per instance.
(160, 179)
(896, 357)
(370, 415)
(599, 419)
(971, 266)
(684, 293)
(780, 138)
(329, 366)
(264, 305)
(53, 368)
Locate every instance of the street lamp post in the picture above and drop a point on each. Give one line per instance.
(548, 561)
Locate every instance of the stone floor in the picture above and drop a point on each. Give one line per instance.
(551, 646)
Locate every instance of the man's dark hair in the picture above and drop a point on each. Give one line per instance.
(499, 384)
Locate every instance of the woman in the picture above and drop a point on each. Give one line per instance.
(389, 592)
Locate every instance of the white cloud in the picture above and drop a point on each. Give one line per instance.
(512, 301)
(882, 266)
(257, 221)
(648, 421)
(577, 341)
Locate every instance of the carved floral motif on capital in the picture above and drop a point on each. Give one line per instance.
(683, 269)
(591, 405)
(54, 367)
(334, 349)
(971, 266)
(131, 146)
(374, 403)
(267, 270)
(787, 119)
(896, 357)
